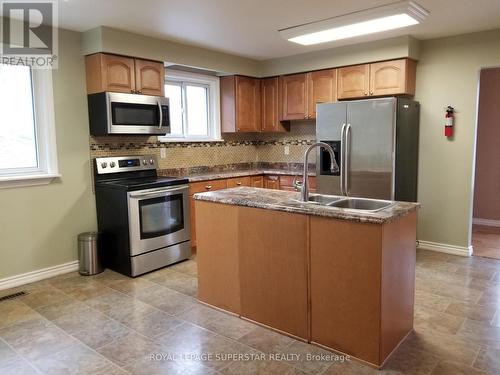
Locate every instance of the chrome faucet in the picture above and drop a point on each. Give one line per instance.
(334, 167)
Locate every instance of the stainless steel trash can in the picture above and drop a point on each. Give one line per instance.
(90, 262)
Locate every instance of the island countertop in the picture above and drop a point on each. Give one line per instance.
(287, 201)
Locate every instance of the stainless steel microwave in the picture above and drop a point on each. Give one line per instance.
(115, 113)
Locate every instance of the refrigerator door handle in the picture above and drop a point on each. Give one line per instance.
(342, 158)
(346, 159)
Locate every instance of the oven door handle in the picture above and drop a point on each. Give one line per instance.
(153, 193)
(161, 113)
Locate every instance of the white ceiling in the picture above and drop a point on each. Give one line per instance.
(249, 27)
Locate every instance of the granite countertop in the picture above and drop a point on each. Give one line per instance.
(286, 201)
(240, 173)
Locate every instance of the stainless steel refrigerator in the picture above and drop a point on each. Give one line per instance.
(376, 146)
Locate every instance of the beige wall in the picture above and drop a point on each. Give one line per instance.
(393, 48)
(447, 74)
(106, 39)
(487, 186)
(39, 225)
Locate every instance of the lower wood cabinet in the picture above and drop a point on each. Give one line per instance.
(272, 182)
(239, 181)
(257, 181)
(288, 183)
(201, 187)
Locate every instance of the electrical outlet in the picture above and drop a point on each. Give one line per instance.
(287, 150)
(163, 153)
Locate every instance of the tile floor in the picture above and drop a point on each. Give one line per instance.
(486, 241)
(110, 324)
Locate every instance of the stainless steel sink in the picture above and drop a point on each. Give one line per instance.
(324, 200)
(357, 204)
(362, 204)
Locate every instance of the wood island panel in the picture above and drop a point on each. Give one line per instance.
(274, 269)
(345, 286)
(217, 255)
(398, 282)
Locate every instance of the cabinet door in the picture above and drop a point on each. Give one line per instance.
(272, 182)
(353, 81)
(149, 77)
(321, 88)
(118, 73)
(257, 181)
(270, 105)
(247, 104)
(294, 96)
(388, 77)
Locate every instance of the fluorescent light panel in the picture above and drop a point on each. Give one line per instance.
(374, 20)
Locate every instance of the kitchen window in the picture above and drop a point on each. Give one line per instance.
(194, 107)
(27, 134)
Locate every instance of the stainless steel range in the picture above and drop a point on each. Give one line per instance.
(144, 219)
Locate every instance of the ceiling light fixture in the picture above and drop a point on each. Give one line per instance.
(383, 18)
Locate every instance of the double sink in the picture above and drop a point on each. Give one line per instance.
(358, 204)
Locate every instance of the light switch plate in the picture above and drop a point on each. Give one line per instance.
(163, 153)
(287, 150)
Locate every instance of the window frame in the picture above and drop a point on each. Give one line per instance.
(45, 137)
(184, 79)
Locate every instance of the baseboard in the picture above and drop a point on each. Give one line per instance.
(445, 248)
(487, 222)
(31, 277)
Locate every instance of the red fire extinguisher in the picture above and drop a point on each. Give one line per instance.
(449, 117)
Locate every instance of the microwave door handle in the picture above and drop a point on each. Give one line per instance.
(161, 114)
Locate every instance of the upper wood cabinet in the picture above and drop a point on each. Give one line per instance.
(294, 95)
(353, 81)
(149, 77)
(114, 73)
(270, 106)
(301, 92)
(395, 77)
(321, 88)
(240, 104)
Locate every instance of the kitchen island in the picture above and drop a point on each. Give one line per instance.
(340, 278)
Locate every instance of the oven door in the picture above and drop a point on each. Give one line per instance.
(158, 218)
(137, 114)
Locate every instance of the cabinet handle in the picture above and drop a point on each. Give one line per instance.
(132, 91)
(139, 92)
(371, 92)
(208, 187)
(366, 92)
(238, 183)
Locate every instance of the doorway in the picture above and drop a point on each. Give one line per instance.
(486, 212)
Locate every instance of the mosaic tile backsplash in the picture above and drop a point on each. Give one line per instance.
(235, 149)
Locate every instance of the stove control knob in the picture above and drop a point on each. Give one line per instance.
(145, 162)
(104, 164)
(112, 164)
(151, 161)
